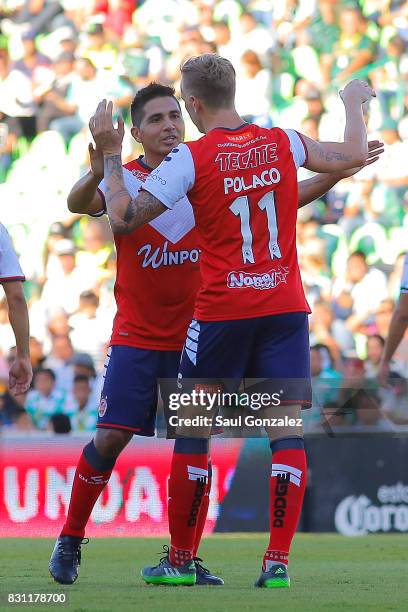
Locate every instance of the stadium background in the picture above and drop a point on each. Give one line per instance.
(57, 59)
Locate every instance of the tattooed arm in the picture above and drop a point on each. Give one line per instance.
(315, 187)
(125, 213)
(338, 156)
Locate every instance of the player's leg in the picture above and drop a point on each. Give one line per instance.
(217, 350)
(286, 493)
(283, 353)
(168, 385)
(127, 406)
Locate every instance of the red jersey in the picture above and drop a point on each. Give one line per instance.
(157, 275)
(242, 185)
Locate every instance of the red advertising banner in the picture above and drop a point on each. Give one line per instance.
(36, 477)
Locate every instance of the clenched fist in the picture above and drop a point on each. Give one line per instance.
(356, 92)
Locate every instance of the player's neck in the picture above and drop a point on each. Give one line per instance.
(225, 118)
(152, 160)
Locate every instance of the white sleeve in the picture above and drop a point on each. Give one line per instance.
(132, 185)
(297, 147)
(174, 178)
(404, 279)
(10, 268)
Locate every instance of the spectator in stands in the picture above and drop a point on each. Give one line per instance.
(388, 79)
(59, 424)
(394, 399)
(52, 102)
(94, 253)
(358, 293)
(254, 90)
(332, 418)
(60, 361)
(37, 356)
(63, 290)
(326, 383)
(89, 332)
(383, 317)
(16, 104)
(324, 31)
(369, 416)
(375, 347)
(355, 49)
(32, 60)
(81, 405)
(98, 49)
(252, 35)
(45, 399)
(325, 329)
(13, 415)
(391, 176)
(83, 365)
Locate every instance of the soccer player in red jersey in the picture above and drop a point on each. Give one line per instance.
(188, 448)
(154, 306)
(250, 315)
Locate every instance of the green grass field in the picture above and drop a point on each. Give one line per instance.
(328, 572)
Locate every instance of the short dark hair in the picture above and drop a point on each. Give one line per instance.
(89, 297)
(143, 96)
(61, 423)
(359, 254)
(81, 378)
(46, 371)
(377, 337)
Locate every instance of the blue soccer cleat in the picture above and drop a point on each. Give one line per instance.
(204, 576)
(168, 574)
(65, 559)
(276, 577)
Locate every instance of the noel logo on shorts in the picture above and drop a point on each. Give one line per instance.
(103, 406)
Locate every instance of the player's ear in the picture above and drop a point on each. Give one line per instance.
(135, 131)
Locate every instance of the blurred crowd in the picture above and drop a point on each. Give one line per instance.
(58, 58)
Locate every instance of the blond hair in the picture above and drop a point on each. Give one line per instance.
(210, 78)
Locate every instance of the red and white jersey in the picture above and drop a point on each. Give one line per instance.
(10, 269)
(242, 185)
(157, 274)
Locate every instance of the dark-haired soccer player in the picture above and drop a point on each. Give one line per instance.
(155, 289)
(251, 313)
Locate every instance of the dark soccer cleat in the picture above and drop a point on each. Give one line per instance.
(166, 573)
(204, 576)
(65, 559)
(276, 577)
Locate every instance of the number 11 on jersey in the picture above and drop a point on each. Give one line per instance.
(240, 207)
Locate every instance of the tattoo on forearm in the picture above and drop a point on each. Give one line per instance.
(331, 155)
(328, 156)
(125, 213)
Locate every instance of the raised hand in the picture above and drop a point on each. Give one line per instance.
(96, 159)
(108, 139)
(375, 149)
(356, 92)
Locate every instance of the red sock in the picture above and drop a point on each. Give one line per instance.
(188, 479)
(87, 486)
(287, 488)
(202, 516)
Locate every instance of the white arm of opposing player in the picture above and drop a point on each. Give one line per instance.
(10, 268)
